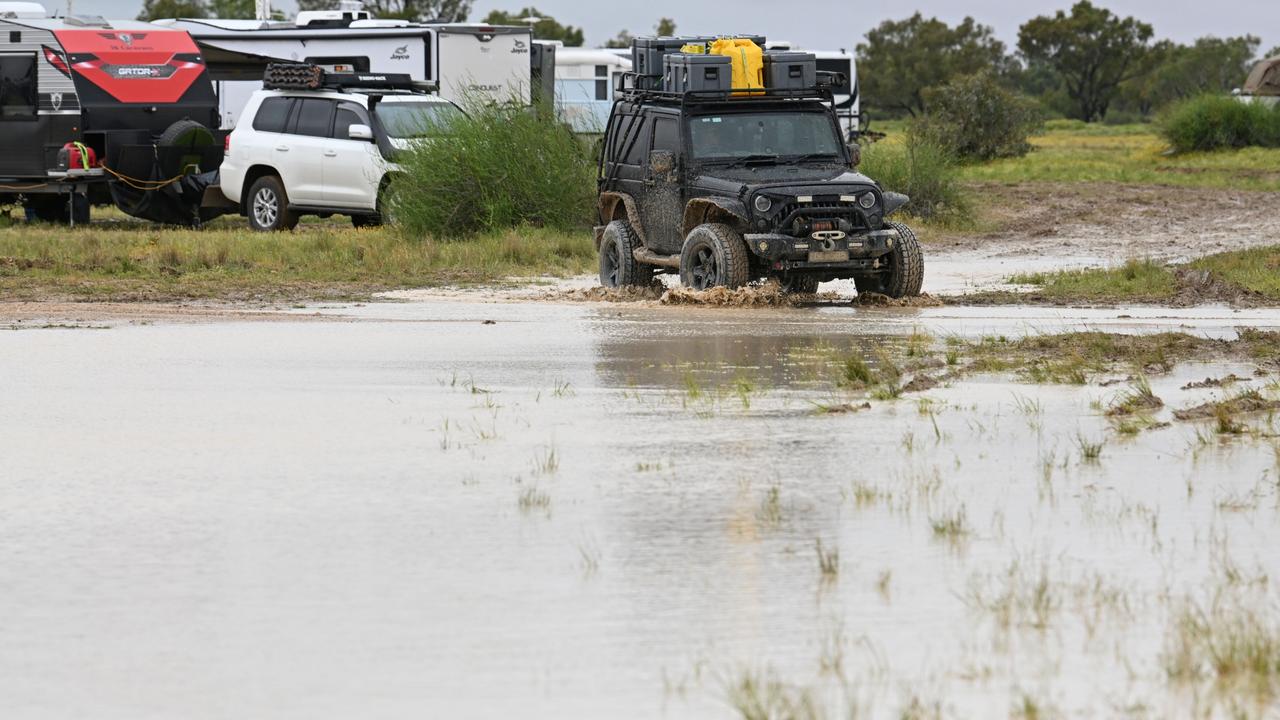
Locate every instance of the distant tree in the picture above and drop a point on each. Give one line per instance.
(157, 9)
(439, 10)
(1092, 50)
(1273, 52)
(666, 27)
(1173, 72)
(546, 28)
(622, 40)
(901, 58)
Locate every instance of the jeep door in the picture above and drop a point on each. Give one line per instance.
(352, 168)
(661, 203)
(628, 140)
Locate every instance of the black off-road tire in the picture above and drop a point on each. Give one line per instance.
(186, 133)
(618, 264)
(799, 284)
(906, 268)
(714, 255)
(267, 206)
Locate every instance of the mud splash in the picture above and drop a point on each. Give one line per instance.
(871, 299)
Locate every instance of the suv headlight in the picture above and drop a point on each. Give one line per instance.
(867, 201)
(762, 204)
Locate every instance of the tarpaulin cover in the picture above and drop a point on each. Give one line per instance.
(1265, 78)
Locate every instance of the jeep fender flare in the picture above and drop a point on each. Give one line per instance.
(726, 211)
(620, 206)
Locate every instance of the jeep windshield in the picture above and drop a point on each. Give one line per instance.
(764, 137)
(407, 120)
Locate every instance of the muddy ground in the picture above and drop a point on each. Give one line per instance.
(1027, 228)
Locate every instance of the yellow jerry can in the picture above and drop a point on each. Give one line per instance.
(747, 62)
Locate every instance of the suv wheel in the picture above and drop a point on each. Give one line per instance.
(714, 256)
(906, 268)
(268, 206)
(799, 284)
(618, 264)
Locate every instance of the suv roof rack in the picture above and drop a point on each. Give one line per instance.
(308, 76)
(631, 91)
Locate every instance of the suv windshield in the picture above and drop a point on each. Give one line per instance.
(764, 134)
(416, 119)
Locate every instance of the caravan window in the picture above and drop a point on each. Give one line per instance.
(602, 82)
(17, 85)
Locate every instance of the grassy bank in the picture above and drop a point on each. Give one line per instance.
(1242, 275)
(127, 260)
(1072, 151)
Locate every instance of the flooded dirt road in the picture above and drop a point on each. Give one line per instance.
(452, 509)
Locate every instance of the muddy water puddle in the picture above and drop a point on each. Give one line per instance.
(606, 511)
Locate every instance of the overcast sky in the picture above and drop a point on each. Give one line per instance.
(832, 24)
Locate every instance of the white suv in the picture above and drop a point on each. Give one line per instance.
(322, 152)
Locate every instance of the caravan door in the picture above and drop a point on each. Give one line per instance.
(484, 64)
(23, 133)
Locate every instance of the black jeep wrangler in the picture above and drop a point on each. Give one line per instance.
(727, 189)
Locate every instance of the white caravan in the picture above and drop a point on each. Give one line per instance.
(847, 98)
(585, 79)
(468, 62)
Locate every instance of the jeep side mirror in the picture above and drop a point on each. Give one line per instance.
(662, 161)
(360, 132)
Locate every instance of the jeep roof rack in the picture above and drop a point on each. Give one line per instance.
(631, 91)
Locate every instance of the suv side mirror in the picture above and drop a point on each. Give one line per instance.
(662, 162)
(360, 132)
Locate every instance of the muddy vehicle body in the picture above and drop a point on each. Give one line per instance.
(728, 188)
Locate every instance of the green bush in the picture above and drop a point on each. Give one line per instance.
(500, 167)
(977, 118)
(923, 170)
(1213, 122)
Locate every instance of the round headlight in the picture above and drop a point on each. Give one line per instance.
(763, 203)
(867, 201)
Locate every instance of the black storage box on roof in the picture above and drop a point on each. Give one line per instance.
(647, 54)
(686, 73)
(790, 70)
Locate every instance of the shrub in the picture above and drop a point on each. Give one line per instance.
(976, 118)
(1213, 122)
(923, 170)
(500, 167)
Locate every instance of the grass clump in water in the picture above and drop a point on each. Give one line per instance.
(1135, 280)
(1226, 276)
(1235, 647)
(828, 560)
(758, 696)
(1138, 399)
